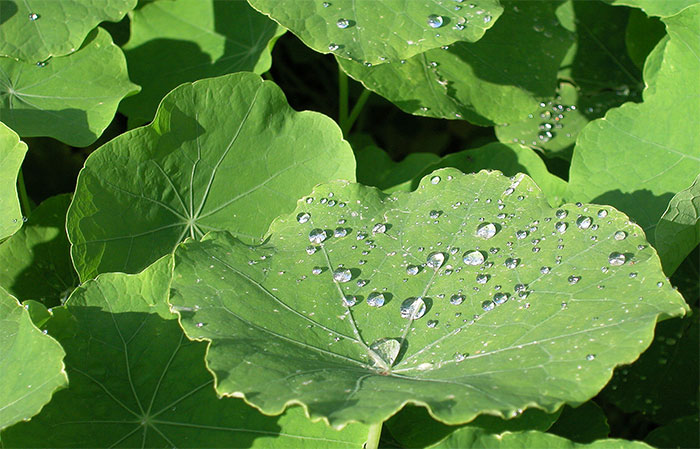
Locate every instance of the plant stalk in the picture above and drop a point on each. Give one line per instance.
(24, 201)
(375, 431)
(347, 125)
(342, 98)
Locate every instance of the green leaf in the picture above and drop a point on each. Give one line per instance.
(71, 98)
(413, 427)
(375, 167)
(678, 231)
(473, 438)
(12, 151)
(655, 7)
(35, 262)
(381, 30)
(31, 364)
(176, 42)
(681, 433)
(642, 35)
(555, 338)
(49, 28)
(582, 424)
(664, 382)
(639, 155)
(495, 80)
(222, 154)
(135, 381)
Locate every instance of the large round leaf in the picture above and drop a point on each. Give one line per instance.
(34, 30)
(223, 153)
(500, 78)
(490, 302)
(12, 151)
(176, 42)
(31, 364)
(135, 381)
(373, 31)
(72, 98)
(655, 7)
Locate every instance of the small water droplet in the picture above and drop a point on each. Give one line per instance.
(561, 227)
(379, 228)
(325, 4)
(342, 275)
(303, 217)
(500, 298)
(561, 214)
(434, 214)
(435, 21)
(616, 259)
(432, 323)
(521, 235)
(435, 259)
(584, 222)
(340, 232)
(375, 299)
(413, 308)
(602, 213)
(342, 23)
(486, 230)
(33, 16)
(317, 235)
(574, 279)
(333, 47)
(457, 299)
(620, 235)
(349, 300)
(511, 263)
(310, 249)
(488, 305)
(412, 270)
(317, 270)
(474, 258)
(545, 270)
(435, 180)
(487, 18)
(590, 357)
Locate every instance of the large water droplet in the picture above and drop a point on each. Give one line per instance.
(511, 263)
(435, 259)
(379, 228)
(343, 23)
(317, 235)
(561, 227)
(482, 278)
(457, 299)
(584, 222)
(486, 230)
(384, 352)
(303, 217)
(602, 213)
(435, 21)
(340, 232)
(349, 300)
(342, 275)
(375, 299)
(488, 305)
(413, 308)
(620, 235)
(500, 298)
(616, 259)
(474, 258)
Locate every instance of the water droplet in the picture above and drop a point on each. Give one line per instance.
(33, 16)
(487, 18)
(482, 278)
(486, 230)
(413, 308)
(616, 259)
(432, 323)
(310, 249)
(456, 299)
(474, 258)
(620, 235)
(435, 21)
(385, 351)
(590, 357)
(349, 300)
(340, 232)
(375, 299)
(488, 305)
(343, 23)
(412, 270)
(521, 235)
(199, 325)
(342, 275)
(42, 63)
(362, 282)
(317, 235)
(379, 228)
(561, 214)
(574, 279)
(303, 217)
(561, 227)
(459, 357)
(500, 298)
(435, 259)
(325, 4)
(545, 270)
(333, 47)
(435, 214)
(435, 180)
(317, 270)
(584, 222)
(511, 263)
(602, 213)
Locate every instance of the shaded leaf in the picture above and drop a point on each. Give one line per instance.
(140, 383)
(192, 39)
(582, 424)
(381, 30)
(656, 8)
(35, 262)
(678, 231)
(70, 98)
(12, 151)
(680, 433)
(223, 153)
(48, 28)
(31, 364)
(495, 80)
(286, 307)
(642, 35)
(375, 167)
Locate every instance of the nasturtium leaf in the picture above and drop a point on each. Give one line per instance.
(469, 438)
(34, 30)
(641, 36)
(372, 32)
(663, 384)
(375, 167)
(497, 301)
(413, 427)
(12, 151)
(500, 78)
(680, 433)
(678, 231)
(176, 42)
(35, 262)
(639, 155)
(226, 153)
(70, 98)
(136, 381)
(31, 364)
(582, 424)
(655, 7)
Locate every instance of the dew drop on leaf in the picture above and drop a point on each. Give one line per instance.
(340, 232)
(435, 180)
(500, 298)
(616, 259)
(435, 21)
(561, 214)
(33, 16)
(413, 308)
(474, 258)
(620, 235)
(303, 217)
(342, 275)
(584, 222)
(511, 263)
(317, 235)
(456, 299)
(561, 227)
(435, 259)
(412, 270)
(342, 23)
(590, 357)
(379, 228)
(349, 300)
(488, 305)
(574, 279)
(432, 323)
(333, 47)
(375, 299)
(486, 230)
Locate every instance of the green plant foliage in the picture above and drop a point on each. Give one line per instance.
(35, 30)
(226, 153)
(468, 438)
(642, 35)
(678, 231)
(12, 151)
(639, 155)
(491, 301)
(134, 374)
(47, 99)
(381, 30)
(188, 40)
(375, 168)
(31, 364)
(457, 83)
(655, 7)
(583, 424)
(681, 433)
(35, 262)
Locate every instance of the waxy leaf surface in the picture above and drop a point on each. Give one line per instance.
(188, 40)
(136, 381)
(12, 151)
(583, 424)
(31, 364)
(498, 79)
(469, 295)
(70, 98)
(34, 30)
(226, 153)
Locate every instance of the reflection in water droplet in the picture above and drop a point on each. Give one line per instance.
(317, 270)
(584, 222)
(413, 308)
(333, 47)
(342, 23)
(435, 180)
(482, 278)
(574, 279)
(435, 21)
(561, 214)
(545, 270)
(342, 275)
(434, 214)
(616, 259)
(375, 299)
(33, 16)
(474, 258)
(379, 228)
(500, 298)
(486, 230)
(457, 299)
(590, 357)
(561, 227)
(310, 249)
(340, 232)
(488, 305)
(620, 235)
(303, 217)
(349, 300)
(412, 270)
(317, 235)
(511, 263)
(435, 259)
(432, 323)
(602, 213)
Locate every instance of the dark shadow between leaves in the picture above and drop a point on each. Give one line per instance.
(67, 125)
(642, 206)
(8, 8)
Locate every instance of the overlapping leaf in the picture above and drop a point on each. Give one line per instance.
(176, 42)
(500, 78)
(583, 424)
(31, 364)
(12, 151)
(469, 295)
(226, 153)
(71, 98)
(380, 30)
(655, 7)
(639, 155)
(135, 381)
(34, 30)
(679, 433)
(35, 262)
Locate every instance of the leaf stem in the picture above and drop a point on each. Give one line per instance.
(375, 431)
(24, 201)
(347, 125)
(342, 98)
